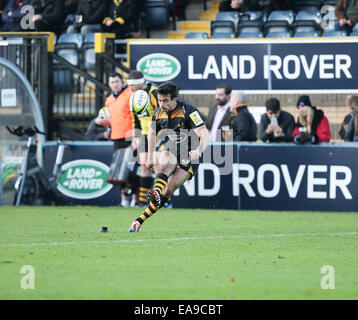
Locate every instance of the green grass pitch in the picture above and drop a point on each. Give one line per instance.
(179, 254)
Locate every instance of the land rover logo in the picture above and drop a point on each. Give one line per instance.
(84, 179)
(159, 67)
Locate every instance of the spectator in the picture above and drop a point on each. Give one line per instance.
(352, 129)
(312, 125)
(347, 118)
(71, 6)
(11, 16)
(276, 125)
(239, 5)
(90, 15)
(242, 123)
(347, 14)
(97, 132)
(49, 15)
(120, 18)
(219, 114)
(2, 7)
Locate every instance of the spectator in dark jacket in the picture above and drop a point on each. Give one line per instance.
(91, 14)
(343, 129)
(12, 15)
(347, 14)
(49, 15)
(3, 4)
(242, 124)
(276, 125)
(120, 18)
(352, 128)
(312, 125)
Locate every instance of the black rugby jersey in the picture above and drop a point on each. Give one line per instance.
(177, 125)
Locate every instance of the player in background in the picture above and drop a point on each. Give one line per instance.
(135, 82)
(181, 138)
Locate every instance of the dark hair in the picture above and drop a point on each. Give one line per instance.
(227, 88)
(135, 75)
(168, 87)
(114, 75)
(273, 105)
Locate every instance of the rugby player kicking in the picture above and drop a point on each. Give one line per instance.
(179, 135)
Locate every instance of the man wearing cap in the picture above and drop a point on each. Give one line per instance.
(136, 81)
(276, 125)
(312, 125)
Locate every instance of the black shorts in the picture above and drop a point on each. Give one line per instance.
(121, 143)
(181, 152)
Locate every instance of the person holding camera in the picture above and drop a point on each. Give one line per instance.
(276, 125)
(312, 125)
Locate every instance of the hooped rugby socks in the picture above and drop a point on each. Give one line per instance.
(160, 183)
(145, 185)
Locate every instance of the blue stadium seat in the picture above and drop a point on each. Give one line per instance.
(251, 34)
(156, 15)
(197, 35)
(223, 35)
(282, 15)
(334, 33)
(306, 34)
(222, 26)
(309, 15)
(278, 34)
(228, 16)
(67, 39)
(89, 56)
(68, 47)
(250, 29)
(306, 26)
(277, 26)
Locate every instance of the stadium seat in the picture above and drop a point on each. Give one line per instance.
(306, 26)
(306, 34)
(250, 28)
(334, 33)
(354, 34)
(309, 15)
(228, 16)
(282, 15)
(222, 35)
(89, 56)
(197, 35)
(251, 34)
(68, 46)
(222, 27)
(276, 26)
(156, 15)
(278, 34)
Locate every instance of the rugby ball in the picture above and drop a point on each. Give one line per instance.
(104, 113)
(139, 102)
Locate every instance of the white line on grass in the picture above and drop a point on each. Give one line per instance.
(68, 243)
